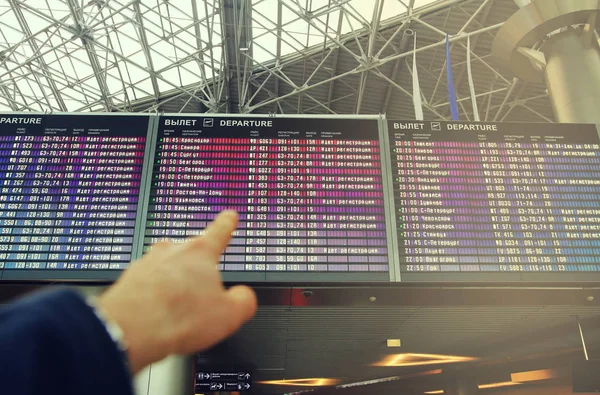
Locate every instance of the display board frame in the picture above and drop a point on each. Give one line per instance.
(77, 275)
(260, 278)
(388, 190)
(145, 187)
(520, 278)
(396, 276)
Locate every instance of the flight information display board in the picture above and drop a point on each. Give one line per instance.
(320, 200)
(69, 191)
(496, 202)
(309, 193)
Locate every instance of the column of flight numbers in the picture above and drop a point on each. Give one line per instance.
(507, 205)
(312, 205)
(65, 204)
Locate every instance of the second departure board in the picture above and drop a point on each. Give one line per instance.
(496, 201)
(69, 190)
(309, 193)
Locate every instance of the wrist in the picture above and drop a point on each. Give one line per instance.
(143, 343)
(112, 328)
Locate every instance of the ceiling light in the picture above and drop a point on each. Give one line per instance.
(244, 49)
(427, 373)
(534, 375)
(481, 387)
(497, 385)
(315, 382)
(394, 343)
(410, 359)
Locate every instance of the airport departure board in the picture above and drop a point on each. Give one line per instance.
(309, 193)
(69, 190)
(501, 201)
(320, 199)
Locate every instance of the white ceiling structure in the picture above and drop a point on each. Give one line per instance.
(256, 56)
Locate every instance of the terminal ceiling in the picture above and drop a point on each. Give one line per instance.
(256, 56)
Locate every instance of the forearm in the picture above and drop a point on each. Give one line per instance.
(54, 344)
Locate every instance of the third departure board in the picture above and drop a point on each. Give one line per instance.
(309, 193)
(506, 201)
(69, 190)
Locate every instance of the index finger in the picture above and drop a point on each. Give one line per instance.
(216, 236)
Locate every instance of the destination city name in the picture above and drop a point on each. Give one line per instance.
(196, 192)
(441, 259)
(410, 172)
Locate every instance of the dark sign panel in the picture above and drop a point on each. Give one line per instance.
(69, 190)
(81, 196)
(496, 202)
(309, 193)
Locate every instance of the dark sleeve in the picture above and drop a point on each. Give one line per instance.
(53, 344)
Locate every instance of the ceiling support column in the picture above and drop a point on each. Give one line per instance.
(572, 76)
(568, 58)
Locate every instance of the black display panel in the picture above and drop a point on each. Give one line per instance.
(69, 192)
(309, 193)
(496, 202)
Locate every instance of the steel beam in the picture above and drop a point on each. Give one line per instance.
(387, 24)
(272, 94)
(145, 47)
(341, 98)
(545, 118)
(336, 57)
(399, 63)
(69, 82)
(309, 21)
(381, 62)
(377, 12)
(485, 13)
(278, 54)
(4, 59)
(6, 94)
(91, 53)
(434, 57)
(301, 97)
(200, 54)
(108, 50)
(407, 93)
(57, 75)
(249, 70)
(485, 94)
(235, 19)
(398, 66)
(225, 76)
(244, 40)
(250, 83)
(40, 61)
(172, 35)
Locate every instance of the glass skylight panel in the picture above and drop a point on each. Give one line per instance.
(185, 45)
(297, 34)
